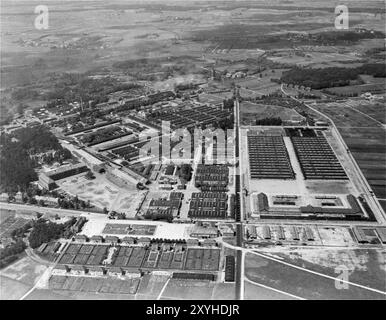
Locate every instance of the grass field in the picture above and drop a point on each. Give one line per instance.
(189, 290)
(19, 277)
(12, 289)
(366, 139)
(256, 292)
(250, 112)
(47, 294)
(300, 283)
(357, 89)
(344, 116)
(317, 57)
(367, 266)
(151, 286)
(376, 111)
(24, 270)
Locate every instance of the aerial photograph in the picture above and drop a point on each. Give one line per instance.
(217, 150)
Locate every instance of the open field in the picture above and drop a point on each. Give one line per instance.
(151, 286)
(357, 89)
(300, 283)
(344, 116)
(376, 111)
(258, 87)
(366, 266)
(24, 270)
(250, 112)
(12, 289)
(366, 139)
(102, 193)
(315, 57)
(256, 292)
(19, 277)
(189, 289)
(48, 294)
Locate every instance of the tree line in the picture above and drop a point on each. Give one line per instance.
(330, 77)
(16, 149)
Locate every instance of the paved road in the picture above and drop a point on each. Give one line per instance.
(43, 210)
(239, 228)
(30, 253)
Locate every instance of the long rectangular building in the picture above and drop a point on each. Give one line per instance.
(317, 159)
(268, 158)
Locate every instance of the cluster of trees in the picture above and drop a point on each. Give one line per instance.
(58, 156)
(185, 86)
(167, 216)
(346, 36)
(73, 203)
(225, 124)
(154, 68)
(228, 103)
(36, 139)
(11, 252)
(19, 233)
(75, 86)
(17, 167)
(162, 240)
(44, 231)
(24, 94)
(331, 77)
(117, 215)
(274, 121)
(185, 172)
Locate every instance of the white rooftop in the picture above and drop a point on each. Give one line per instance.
(96, 223)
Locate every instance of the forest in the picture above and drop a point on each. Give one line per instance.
(73, 87)
(330, 77)
(17, 166)
(44, 231)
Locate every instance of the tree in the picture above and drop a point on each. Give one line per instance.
(105, 211)
(89, 175)
(185, 172)
(44, 231)
(17, 167)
